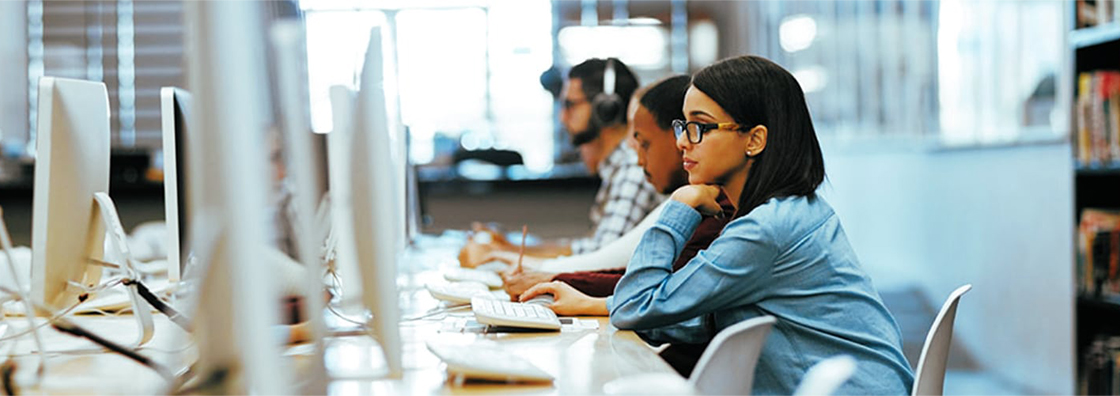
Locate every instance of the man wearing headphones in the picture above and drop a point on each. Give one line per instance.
(593, 111)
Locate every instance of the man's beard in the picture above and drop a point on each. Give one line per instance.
(585, 136)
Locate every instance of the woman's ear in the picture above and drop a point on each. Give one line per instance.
(756, 140)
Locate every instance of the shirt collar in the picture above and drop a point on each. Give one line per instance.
(621, 155)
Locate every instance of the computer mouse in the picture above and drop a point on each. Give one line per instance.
(649, 384)
(542, 299)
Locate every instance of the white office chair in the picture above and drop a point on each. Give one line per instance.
(725, 368)
(825, 377)
(929, 379)
(727, 365)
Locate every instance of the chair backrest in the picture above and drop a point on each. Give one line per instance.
(929, 379)
(825, 377)
(727, 365)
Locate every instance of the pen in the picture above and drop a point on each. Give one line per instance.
(521, 254)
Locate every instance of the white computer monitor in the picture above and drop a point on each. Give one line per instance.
(175, 111)
(341, 219)
(376, 191)
(72, 214)
(71, 165)
(238, 299)
(288, 40)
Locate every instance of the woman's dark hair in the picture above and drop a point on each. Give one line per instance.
(665, 100)
(756, 91)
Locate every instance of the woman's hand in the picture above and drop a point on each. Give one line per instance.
(516, 281)
(701, 197)
(480, 245)
(567, 301)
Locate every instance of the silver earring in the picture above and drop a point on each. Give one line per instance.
(748, 153)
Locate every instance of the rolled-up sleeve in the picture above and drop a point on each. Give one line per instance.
(731, 272)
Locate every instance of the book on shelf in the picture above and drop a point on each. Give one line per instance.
(1096, 12)
(1101, 363)
(1098, 253)
(1097, 136)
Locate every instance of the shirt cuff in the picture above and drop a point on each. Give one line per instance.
(610, 303)
(681, 218)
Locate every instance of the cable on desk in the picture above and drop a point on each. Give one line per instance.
(99, 288)
(103, 312)
(50, 320)
(437, 312)
(68, 327)
(6, 245)
(61, 324)
(190, 344)
(343, 317)
(159, 305)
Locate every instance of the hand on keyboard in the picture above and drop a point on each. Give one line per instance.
(516, 282)
(543, 300)
(567, 301)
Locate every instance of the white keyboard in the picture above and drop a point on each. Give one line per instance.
(511, 314)
(457, 292)
(487, 363)
(493, 266)
(488, 278)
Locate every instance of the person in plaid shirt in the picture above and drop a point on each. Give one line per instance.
(623, 200)
(593, 111)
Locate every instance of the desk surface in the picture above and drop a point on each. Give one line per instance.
(581, 360)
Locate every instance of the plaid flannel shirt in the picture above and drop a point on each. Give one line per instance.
(623, 200)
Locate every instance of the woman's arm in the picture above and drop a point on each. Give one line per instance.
(567, 301)
(732, 271)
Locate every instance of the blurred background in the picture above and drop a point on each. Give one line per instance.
(946, 127)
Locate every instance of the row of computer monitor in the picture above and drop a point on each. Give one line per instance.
(365, 156)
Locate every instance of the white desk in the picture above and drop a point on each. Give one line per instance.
(581, 361)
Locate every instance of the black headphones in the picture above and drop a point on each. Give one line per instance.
(606, 109)
(607, 106)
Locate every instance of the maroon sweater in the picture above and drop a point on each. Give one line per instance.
(601, 283)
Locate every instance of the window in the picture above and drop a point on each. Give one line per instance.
(960, 72)
(134, 47)
(997, 80)
(465, 72)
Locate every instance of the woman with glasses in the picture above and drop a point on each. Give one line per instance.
(747, 133)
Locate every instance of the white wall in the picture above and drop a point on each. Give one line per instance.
(998, 218)
(13, 71)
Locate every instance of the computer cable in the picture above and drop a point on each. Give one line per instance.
(343, 317)
(62, 324)
(159, 305)
(437, 311)
(35, 327)
(6, 246)
(71, 328)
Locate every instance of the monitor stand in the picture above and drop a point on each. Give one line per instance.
(107, 213)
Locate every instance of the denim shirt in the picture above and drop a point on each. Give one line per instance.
(788, 258)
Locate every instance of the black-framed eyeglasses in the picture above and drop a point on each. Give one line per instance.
(696, 130)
